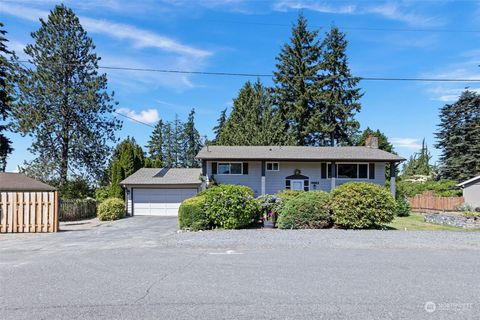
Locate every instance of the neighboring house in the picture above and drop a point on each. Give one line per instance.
(269, 169)
(160, 191)
(471, 191)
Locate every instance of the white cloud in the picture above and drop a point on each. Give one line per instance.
(147, 116)
(391, 11)
(141, 38)
(408, 143)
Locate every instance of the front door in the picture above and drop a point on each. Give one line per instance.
(297, 185)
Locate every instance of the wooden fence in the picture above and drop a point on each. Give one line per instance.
(77, 209)
(29, 211)
(428, 201)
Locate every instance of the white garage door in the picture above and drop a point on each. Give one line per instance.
(159, 202)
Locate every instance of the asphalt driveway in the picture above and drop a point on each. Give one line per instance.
(141, 268)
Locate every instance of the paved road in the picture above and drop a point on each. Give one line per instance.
(140, 268)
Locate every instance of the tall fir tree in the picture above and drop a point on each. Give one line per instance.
(298, 83)
(383, 143)
(178, 139)
(192, 142)
(7, 63)
(253, 120)
(64, 104)
(458, 137)
(419, 163)
(340, 94)
(168, 146)
(155, 144)
(220, 125)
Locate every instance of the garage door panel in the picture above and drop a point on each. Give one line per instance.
(161, 202)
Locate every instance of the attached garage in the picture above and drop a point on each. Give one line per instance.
(159, 192)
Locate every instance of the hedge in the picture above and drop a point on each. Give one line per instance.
(307, 210)
(362, 205)
(111, 209)
(191, 214)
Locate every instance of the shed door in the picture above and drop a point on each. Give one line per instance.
(159, 202)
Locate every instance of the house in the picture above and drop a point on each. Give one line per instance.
(159, 191)
(26, 204)
(265, 169)
(269, 169)
(471, 191)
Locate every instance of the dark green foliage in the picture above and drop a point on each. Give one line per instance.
(340, 95)
(155, 144)
(7, 63)
(402, 208)
(419, 163)
(458, 137)
(253, 121)
(298, 83)
(231, 206)
(111, 209)
(192, 142)
(359, 205)
(191, 214)
(441, 188)
(308, 210)
(102, 194)
(220, 125)
(383, 143)
(63, 103)
(75, 188)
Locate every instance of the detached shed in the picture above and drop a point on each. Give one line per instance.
(27, 205)
(471, 191)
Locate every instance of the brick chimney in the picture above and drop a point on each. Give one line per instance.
(371, 142)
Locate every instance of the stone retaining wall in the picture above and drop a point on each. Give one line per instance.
(454, 220)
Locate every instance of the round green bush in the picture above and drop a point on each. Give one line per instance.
(111, 209)
(359, 205)
(231, 206)
(191, 214)
(283, 197)
(307, 210)
(402, 208)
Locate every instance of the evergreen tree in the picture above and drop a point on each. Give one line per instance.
(64, 104)
(458, 137)
(220, 125)
(178, 140)
(419, 163)
(168, 146)
(340, 94)
(192, 141)
(7, 59)
(155, 144)
(298, 83)
(115, 190)
(253, 121)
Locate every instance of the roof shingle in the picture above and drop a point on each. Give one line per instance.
(295, 153)
(164, 176)
(10, 181)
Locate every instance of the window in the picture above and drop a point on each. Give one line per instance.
(273, 166)
(347, 171)
(363, 171)
(229, 168)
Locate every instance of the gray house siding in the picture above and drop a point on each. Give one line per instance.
(275, 180)
(471, 193)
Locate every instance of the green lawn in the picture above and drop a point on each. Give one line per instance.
(415, 222)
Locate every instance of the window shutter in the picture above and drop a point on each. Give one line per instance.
(323, 170)
(245, 168)
(214, 168)
(371, 169)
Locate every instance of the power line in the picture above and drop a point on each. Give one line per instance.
(133, 119)
(261, 75)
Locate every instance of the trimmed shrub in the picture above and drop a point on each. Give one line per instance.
(111, 209)
(191, 214)
(402, 207)
(307, 210)
(231, 206)
(283, 197)
(360, 205)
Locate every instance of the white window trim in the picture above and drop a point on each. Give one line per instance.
(229, 174)
(358, 170)
(278, 166)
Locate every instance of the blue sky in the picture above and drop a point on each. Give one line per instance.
(386, 39)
